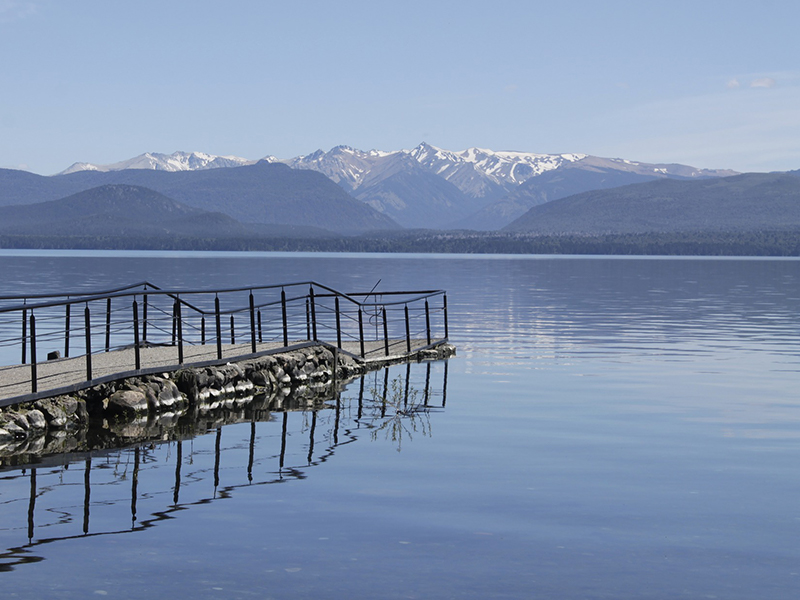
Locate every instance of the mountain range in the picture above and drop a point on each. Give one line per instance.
(545, 203)
(429, 187)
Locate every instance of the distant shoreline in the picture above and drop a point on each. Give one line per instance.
(709, 243)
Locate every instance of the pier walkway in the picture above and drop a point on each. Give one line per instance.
(95, 337)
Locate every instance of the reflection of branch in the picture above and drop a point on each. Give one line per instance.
(397, 413)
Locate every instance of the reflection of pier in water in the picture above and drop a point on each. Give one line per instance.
(395, 405)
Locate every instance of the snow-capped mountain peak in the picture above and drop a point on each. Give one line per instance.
(345, 165)
(177, 161)
(504, 169)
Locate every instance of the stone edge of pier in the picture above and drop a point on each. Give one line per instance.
(314, 370)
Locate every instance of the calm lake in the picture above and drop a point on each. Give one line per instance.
(610, 428)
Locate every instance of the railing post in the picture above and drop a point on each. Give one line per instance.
(308, 320)
(219, 328)
(66, 331)
(24, 335)
(33, 354)
(203, 330)
(136, 354)
(108, 324)
(285, 322)
(338, 325)
(408, 331)
(446, 332)
(144, 318)
(179, 324)
(428, 322)
(233, 331)
(88, 329)
(252, 323)
(313, 313)
(260, 336)
(361, 330)
(385, 333)
(174, 322)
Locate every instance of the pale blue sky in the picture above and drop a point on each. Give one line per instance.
(710, 84)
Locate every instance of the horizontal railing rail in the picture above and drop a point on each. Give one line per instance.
(233, 321)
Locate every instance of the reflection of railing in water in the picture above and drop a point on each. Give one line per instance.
(142, 315)
(387, 398)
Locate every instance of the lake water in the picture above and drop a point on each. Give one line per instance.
(611, 428)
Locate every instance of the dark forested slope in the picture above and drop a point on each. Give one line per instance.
(748, 202)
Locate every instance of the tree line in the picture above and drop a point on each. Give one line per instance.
(751, 243)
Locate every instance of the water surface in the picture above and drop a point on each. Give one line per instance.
(613, 428)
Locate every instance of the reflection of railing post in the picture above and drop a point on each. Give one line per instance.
(385, 391)
(313, 313)
(311, 435)
(361, 330)
(361, 398)
(179, 324)
(219, 328)
(408, 384)
(427, 383)
(136, 352)
(444, 385)
(338, 324)
(32, 506)
(66, 331)
(88, 328)
(336, 420)
(108, 324)
(217, 453)
(252, 323)
(87, 493)
(428, 322)
(283, 438)
(285, 322)
(134, 485)
(385, 333)
(252, 456)
(33, 353)
(24, 334)
(446, 332)
(408, 331)
(178, 462)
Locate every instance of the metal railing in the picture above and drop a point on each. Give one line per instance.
(142, 315)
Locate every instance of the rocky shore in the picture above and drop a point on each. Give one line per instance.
(140, 408)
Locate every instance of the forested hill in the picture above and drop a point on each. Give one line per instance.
(260, 193)
(742, 203)
(127, 212)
